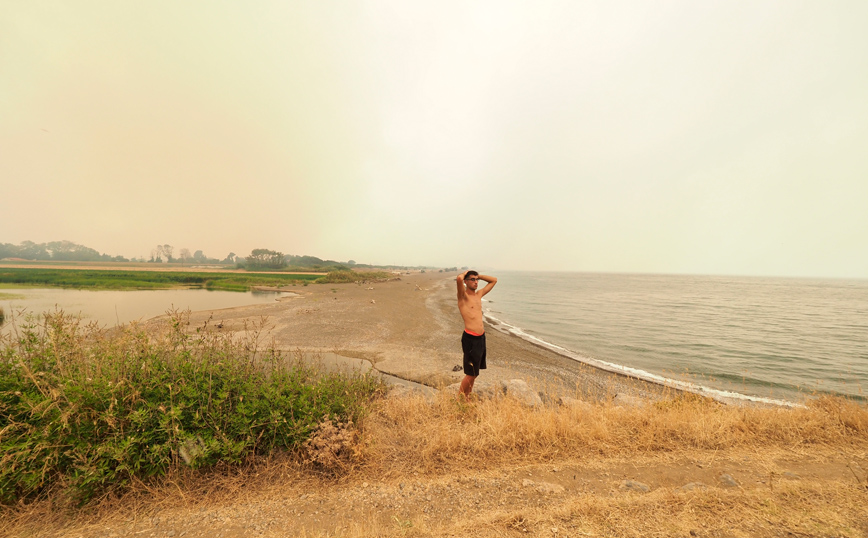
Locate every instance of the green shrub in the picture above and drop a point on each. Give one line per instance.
(85, 410)
(121, 280)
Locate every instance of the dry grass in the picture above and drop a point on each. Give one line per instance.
(406, 439)
(797, 509)
(409, 435)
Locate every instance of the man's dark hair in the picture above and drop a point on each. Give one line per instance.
(470, 273)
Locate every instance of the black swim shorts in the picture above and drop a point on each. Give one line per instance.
(474, 353)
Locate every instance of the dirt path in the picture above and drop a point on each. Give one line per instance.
(559, 498)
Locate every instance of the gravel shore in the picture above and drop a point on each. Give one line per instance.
(410, 328)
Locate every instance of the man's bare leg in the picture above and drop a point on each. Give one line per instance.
(466, 386)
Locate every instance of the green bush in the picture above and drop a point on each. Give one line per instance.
(120, 280)
(85, 410)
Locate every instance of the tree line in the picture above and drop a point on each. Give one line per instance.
(185, 256)
(258, 259)
(55, 251)
(266, 259)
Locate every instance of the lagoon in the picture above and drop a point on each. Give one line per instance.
(110, 308)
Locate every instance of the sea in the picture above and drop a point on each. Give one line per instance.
(772, 340)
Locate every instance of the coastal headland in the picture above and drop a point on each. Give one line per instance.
(603, 455)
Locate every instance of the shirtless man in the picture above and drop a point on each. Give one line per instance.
(473, 338)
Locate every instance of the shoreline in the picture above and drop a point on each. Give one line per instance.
(637, 375)
(410, 329)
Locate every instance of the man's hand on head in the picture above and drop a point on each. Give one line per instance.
(460, 281)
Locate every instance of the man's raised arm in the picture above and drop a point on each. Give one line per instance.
(491, 282)
(460, 280)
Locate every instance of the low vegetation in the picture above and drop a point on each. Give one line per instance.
(84, 412)
(412, 436)
(97, 279)
(140, 280)
(344, 277)
(264, 259)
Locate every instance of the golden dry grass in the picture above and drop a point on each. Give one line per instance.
(669, 513)
(410, 435)
(500, 440)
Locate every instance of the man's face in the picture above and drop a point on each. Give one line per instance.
(472, 282)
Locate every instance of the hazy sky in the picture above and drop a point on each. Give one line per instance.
(666, 136)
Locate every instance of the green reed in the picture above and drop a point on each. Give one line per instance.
(138, 280)
(86, 411)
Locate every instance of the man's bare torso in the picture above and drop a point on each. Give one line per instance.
(471, 311)
(470, 300)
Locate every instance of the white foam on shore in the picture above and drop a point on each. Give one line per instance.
(719, 395)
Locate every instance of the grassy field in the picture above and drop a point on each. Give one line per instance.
(101, 279)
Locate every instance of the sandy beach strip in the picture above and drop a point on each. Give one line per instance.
(410, 328)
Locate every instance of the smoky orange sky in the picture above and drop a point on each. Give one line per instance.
(624, 136)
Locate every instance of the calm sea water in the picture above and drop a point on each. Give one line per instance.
(736, 337)
(110, 308)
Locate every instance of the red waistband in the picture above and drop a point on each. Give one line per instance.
(471, 333)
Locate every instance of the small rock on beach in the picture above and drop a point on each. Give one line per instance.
(632, 485)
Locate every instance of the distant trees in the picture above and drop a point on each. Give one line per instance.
(54, 250)
(306, 261)
(167, 250)
(69, 251)
(158, 251)
(317, 264)
(29, 250)
(262, 258)
(259, 258)
(184, 256)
